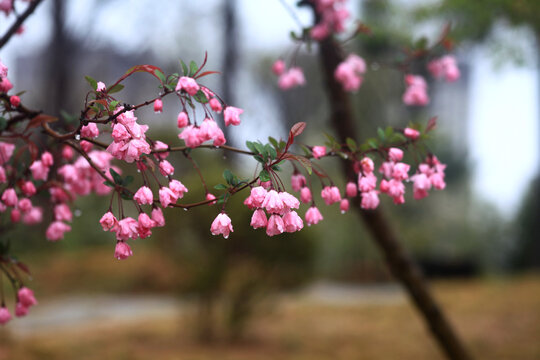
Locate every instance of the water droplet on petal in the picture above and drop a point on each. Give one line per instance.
(77, 137)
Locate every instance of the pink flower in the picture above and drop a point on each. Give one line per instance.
(183, 119)
(3, 177)
(34, 216)
(215, 105)
(318, 151)
(256, 197)
(160, 145)
(437, 180)
(122, 250)
(165, 168)
(210, 196)
(5, 85)
(298, 181)
(231, 115)
(349, 72)
(28, 188)
(6, 150)
(120, 133)
(221, 225)
(3, 70)
(39, 170)
(26, 297)
(15, 101)
(127, 228)
(108, 221)
(90, 131)
(370, 200)
(313, 216)
(395, 154)
(411, 133)
(421, 185)
(258, 219)
(273, 202)
(289, 201)
(191, 136)
(187, 84)
(319, 32)
(86, 145)
(167, 196)
(47, 159)
(100, 86)
(20, 310)
(158, 106)
(400, 171)
(305, 195)
(351, 190)
(25, 205)
(416, 92)
(278, 67)
(144, 196)
(330, 194)
(445, 67)
(275, 225)
(209, 130)
(291, 78)
(62, 212)
(9, 197)
(367, 165)
(177, 188)
(15, 215)
(344, 206)
(157, 216)
(387, 169)
(367, 182)
(5, 316)
(292, 222)
(145, 223)
(396, 190)
(56, 230)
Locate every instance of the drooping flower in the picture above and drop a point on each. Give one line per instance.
(144, 196)
(122, 250)
(258, 219)
(231, 115)
(275, 225)
(56, 230)
(221, 225)
(313, 216)
(318, 151)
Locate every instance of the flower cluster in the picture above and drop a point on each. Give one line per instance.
(333, 15)
(444, 67)
(416, 91)
(349, 72)
(129, 140)
(288, 78)
(25, 299)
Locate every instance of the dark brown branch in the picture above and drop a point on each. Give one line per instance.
(18, 22)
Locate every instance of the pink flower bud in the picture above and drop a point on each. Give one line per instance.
(9, 197)
(62, 212)
(47, 159)
(411, 133)
(165, 168)
(187, 84)
(90, 131)
(370, 199)
(15, 215)
(305, 195)
(278, 67)
(158, 106)
(231, 115)
(108, 222)
(221, 225)
(144, 196)
(183, 119)
(15, 101)
(20, 310)
(127, 228)
(178, 188)
(5, 316)
(28, 188)
(292, 222)
(313, 216)
(25, 205)
(275, 225)
(273, 202)
(215, 105)
(298, 181)
(67, 152)
(258, 219)
(56, 230)
(210, 196)
(330, 194)
(100, 86)
(351, 190)
(26, 297)
(86, 146)
(167, 196)
(122, 251)
(318, 151)
(157, 216)
(395, 154)
(344, 206)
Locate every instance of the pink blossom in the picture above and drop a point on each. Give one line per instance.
(6, 150)
(445, 67)
(120, 133)
(62, 212)
(367, 165)
(349, 72)
(158, 106)
(34, 216)
(416, 92)
(273, 202)
(15, 101)
(178, 188)
(127, 228)
(145, 223)
(289, 201)
(108, 221)
(396, 190)
(26, 297)
(319, 32)
(275, 225)
(222, 225)
(191, 136)
(367, 182)
(257, 196)
(160, 145)
(134, 149)
(183, 119)
(298, 181)
(351, 190)
(305, 195)
(313, 216)
(411, 133)
(28, 188)
(56, 230)
(5, 85)
(437, 180)
(20, 310)
(86, 145)
(122, 250)
(215, 105)
(167, 196)
(3, 70)
(330, 194)
(15, 215)
(258, 219)
(210, 196)
(291, 78)
(187, 84)
(3, 177)
(144, 196)
(165, 168)
(400, 171)
(292, 222)
(9, 197)
(344, 206)
(25, 205)
(278, 67)
(90, 131)
(265, 184)
(157, 216)
(231, 115)
(395, 154)
(100, 86)
(39, 170)
(47, 159)
(209, 130)
(318, 151)
(387, 168)
(5, 316)
(370, 200)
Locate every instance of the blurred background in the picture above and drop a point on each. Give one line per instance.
(324, 292)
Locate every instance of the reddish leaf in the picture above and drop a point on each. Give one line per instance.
(298, 128)
(151, 69)
(23, 267)
(432, 124)
(206, 73)
(202, 65)
(39, 120)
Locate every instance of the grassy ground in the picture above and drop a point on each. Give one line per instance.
(498, 318)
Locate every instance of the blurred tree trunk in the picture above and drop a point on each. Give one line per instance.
(400, 263)
(230, 55)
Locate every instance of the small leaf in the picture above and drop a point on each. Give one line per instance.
(108, 183)
(251, 146)
(272, 153)
(126, 195)
(274, 142)
(388, 132)
(264, 176)
(397, 137)
(91, 81)
(192, 68)
(116, 177)
(113, 104)
(200, 97)
(3, 123)
(380, 132)
(351, 144)
(160, 75)
(128, 180)
(260, 148)
(185, 70)
(228, 176)
(373, 143)
(220, 187)
(116, 88)
(298, 128)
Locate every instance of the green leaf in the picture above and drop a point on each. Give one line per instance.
(113, 104)
(192, 68)
(126, 195)
(251, 146)
(228, 176)
(3, 123)
(108, 183)
(116, 88)
(351, 144)
(116, 177)
(272, 153)
(397, 137)
(160, 75)
(185, 70)
(264, 176)
(380, 132)
(373, 143)
(260, 159)
(91, 81)
(388, 132)
(276, 167)
(220, 187)
(200, 97)
(274, 142)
